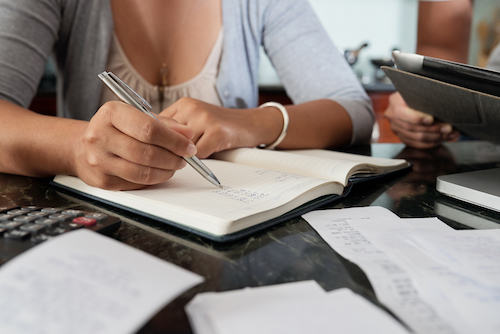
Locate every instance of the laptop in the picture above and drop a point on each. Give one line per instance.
(481, 188)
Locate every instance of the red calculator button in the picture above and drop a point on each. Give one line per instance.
(85, 221)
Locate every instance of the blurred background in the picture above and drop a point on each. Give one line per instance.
(366, 32)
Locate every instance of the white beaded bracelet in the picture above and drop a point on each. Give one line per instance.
(285, 124)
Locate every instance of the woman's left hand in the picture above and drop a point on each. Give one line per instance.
(217, 128)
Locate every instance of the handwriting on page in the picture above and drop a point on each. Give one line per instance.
(279, 176)
(248, 196)
(239, 194)
(246, 191)
(457, 271)
(392, 283)
(82, 282)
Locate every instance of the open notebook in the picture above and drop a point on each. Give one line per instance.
(260, 188)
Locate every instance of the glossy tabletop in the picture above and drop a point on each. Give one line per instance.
(290, 251)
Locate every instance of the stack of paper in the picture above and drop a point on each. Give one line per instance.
(434, 278)
(300, 307)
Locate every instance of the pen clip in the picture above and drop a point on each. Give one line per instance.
(125, 92)
(120, 81)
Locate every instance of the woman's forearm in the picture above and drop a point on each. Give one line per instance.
(35, 145)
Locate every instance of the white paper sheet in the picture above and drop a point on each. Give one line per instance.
(83, 282)
(391, 281)
(300, 307)
(457, 271)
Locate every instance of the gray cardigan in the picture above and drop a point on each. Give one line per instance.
(78, 33)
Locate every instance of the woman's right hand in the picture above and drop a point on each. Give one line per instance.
(122, 148)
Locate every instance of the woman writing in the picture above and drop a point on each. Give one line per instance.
(195, 61)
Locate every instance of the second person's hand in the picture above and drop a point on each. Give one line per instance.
(415, 128)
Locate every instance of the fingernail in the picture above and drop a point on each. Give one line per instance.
(191, 150)
(183, 164)
(428, 120)
(446, 129)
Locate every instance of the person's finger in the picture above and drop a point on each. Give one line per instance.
(420, 139)
(144, 154)
(185, 130)
(119, 174)
(148, 130)
(409, 115)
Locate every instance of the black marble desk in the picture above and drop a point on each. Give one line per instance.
(291, 251)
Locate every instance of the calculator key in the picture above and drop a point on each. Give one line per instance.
(33, 228)
(6, 216)
(73, 213)
(50, 223)
(52, 210)
(30, 208)
(39, 237)
(17, 234)
(3, 230)
(17, 212)
(38, 214)
(56, 231)
(85, 221)
(24, 219)
(10, 225)
(60, 217)
(97, 216)
(6, 208)
(72, 226)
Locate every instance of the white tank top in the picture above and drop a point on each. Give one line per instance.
(201, 87)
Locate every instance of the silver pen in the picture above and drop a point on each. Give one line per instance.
(129, 96)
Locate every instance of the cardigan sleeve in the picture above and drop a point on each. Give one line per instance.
(28, 31)
(310, 66)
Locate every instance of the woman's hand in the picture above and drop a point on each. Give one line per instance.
(218, 128)
(122, 148)
(417, 129)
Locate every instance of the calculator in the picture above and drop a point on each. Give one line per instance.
(22, 227)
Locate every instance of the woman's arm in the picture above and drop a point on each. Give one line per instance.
(314, 124)
(120, 148)
(311, 68)
(444, 29)
(330, 107)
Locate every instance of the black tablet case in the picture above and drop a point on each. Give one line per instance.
(472, 112)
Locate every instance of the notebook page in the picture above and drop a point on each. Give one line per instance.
(327, 154)
(328, 169)
(246, 190)
(189, 199)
